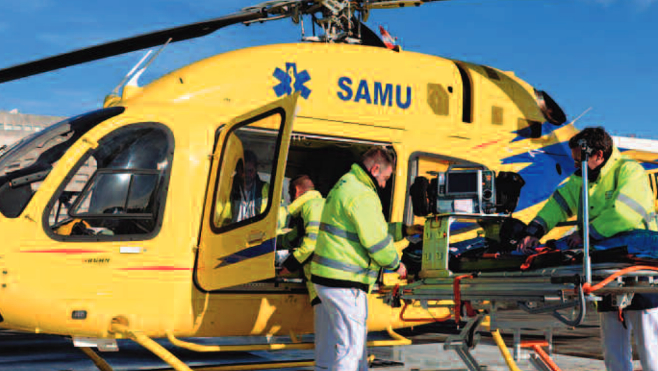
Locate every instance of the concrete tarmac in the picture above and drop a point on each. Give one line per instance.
(576, 349)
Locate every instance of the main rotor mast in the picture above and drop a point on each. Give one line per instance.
(340, 21)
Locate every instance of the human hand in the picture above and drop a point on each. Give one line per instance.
(402, 271)
(414, 229)
(527, 245)
(574, 240)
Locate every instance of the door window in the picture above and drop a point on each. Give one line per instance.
(120, 189)
(243, 193)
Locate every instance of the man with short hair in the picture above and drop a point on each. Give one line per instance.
(305, 211)
(354, 243)
(621, 214)
(250, 194)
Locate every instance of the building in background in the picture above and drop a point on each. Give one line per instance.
(14, 125)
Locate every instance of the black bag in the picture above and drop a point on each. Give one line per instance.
(419, 196)
(508, 191)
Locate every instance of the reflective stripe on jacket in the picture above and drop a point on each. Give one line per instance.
(308, 210)
(354, 241)
(620, 200)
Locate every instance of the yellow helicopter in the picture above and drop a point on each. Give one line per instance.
(118, 223)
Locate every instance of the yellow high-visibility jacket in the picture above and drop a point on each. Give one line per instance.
(305, 213)
(354, 241)
(620, 200)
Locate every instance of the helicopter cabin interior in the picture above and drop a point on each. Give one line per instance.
(248, 162)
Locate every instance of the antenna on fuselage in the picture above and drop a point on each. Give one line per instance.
(131, 72)
(133, 75)
(581, 115)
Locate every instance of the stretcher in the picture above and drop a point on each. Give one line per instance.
(542, 284)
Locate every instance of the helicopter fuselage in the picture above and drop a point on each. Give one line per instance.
(67, 270)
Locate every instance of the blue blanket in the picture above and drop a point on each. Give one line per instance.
(641, 243)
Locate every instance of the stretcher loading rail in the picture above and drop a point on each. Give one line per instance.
(562, 292)
(559, 287)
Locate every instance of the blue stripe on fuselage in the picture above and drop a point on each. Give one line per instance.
(248, 253)
(541, 175)
(526, 132)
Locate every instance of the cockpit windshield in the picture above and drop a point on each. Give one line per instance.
(30, 160)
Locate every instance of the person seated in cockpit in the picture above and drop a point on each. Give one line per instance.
(249, 195)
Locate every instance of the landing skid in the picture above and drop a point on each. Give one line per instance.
(121, 329)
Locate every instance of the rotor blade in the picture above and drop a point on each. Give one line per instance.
(389, 4)
(127, 45)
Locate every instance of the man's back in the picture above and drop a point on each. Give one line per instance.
(353, 242)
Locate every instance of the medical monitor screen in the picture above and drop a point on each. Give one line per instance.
(460, 183)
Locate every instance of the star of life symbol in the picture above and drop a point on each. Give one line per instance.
(290, 81)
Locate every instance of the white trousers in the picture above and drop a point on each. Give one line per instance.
(616, 339)
(341, 329)
(324, 339)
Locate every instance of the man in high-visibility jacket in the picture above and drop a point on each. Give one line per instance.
(621, 213)
(354, 243)
(305, 211)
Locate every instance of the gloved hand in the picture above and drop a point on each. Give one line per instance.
(575, 240)
(534, 231)
(527, 245)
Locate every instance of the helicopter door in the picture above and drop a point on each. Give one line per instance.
(237, 244)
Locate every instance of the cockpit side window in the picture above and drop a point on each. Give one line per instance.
(27, 163)
(119, 189)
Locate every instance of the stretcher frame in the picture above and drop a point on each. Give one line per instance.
(551, 290)
(562, 286)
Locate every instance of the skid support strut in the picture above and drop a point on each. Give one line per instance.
(465, 341)
(151, 345)
(100, 363)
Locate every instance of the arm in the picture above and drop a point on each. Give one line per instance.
(562, 205)
(285, 241)
(311, 214)
(372, 229)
